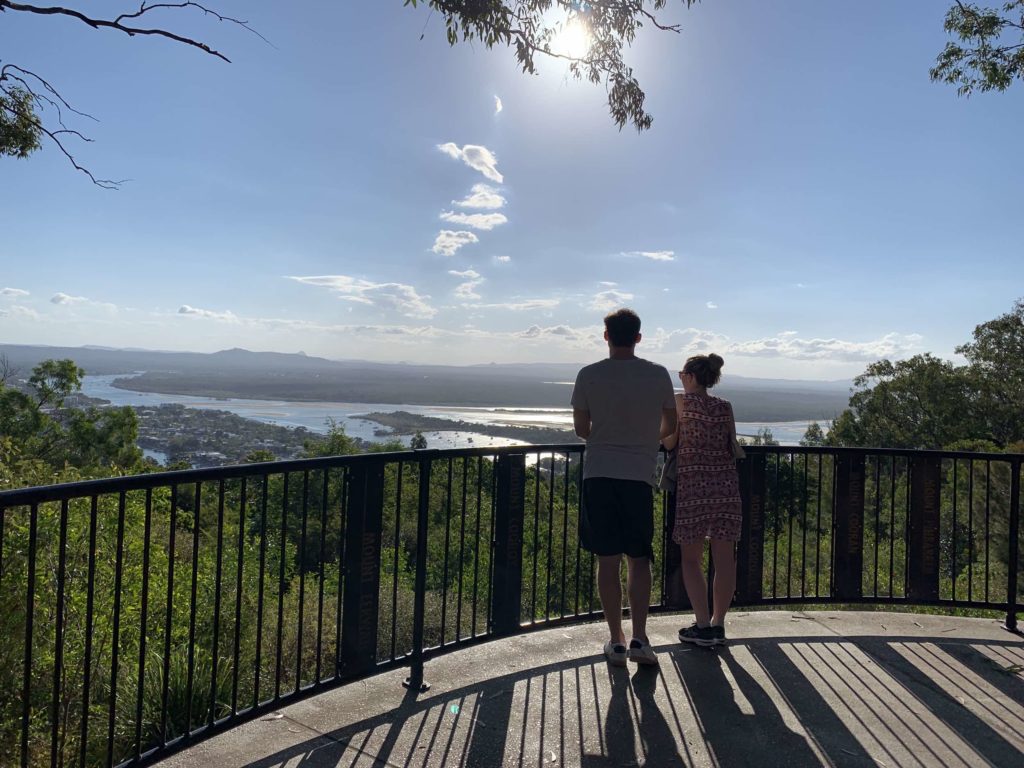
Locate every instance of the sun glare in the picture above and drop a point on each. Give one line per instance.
(572, 40)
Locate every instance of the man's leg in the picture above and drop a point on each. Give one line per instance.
(609, 588)
(638, 581)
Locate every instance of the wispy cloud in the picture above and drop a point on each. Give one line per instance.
(66, 300)
(521, 305)
(395, 297)
(476, 157)
(17, 311)
(448, 242)
(497, 104)
(652, 255)
(481, 196)
(562, 335)
(607, 283)
(466, 291)
(13, 293)
(605, 301)
(486, 221)
(502, 259)
(227, 316)
(711, 305)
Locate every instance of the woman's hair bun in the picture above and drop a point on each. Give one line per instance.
(715, 362)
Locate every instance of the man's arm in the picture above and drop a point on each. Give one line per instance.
(669, 417)
(581, 422)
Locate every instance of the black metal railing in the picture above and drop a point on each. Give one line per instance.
(142, 614)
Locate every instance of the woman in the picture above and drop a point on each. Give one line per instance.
(708, 502)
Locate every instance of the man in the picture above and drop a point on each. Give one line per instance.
(622, 407)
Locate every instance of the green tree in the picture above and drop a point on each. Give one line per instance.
(418, 442)
(922, 402)
(814, 435)
(19, 131)
(989, 51)
(996, 357)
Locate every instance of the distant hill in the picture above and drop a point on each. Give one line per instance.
(284, 376)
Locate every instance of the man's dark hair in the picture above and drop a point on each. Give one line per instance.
(623, 326)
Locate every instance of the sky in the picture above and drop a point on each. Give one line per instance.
(806, 201)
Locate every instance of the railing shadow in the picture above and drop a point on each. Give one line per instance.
(792, 701)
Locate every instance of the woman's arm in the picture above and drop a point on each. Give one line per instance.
(671, 440)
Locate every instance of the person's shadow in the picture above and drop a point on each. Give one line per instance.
(618, 736)
(735, 737)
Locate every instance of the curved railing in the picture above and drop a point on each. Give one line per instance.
(142, 614)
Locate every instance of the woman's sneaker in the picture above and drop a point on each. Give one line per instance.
(702, 636)
(615, 653)
(641, 652)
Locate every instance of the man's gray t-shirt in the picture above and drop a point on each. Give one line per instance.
(625, 399)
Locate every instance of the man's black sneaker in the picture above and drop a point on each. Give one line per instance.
(702, 636)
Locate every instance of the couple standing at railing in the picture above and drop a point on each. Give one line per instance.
(622, 407)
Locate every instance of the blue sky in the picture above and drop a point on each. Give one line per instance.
(806, 202)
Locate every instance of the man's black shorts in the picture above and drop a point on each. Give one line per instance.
(617, 517)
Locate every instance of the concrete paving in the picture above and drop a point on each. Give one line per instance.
(791, 689)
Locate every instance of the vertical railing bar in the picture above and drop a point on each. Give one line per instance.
(190, 674)
(491, 537)
(1014, 547)
(988, 506)
(462, 550)
(343, 522)
(58, 646)
(143, 616)
(775, 529)
(447, 540)
(301, 630)
(167, 621)
(30, 610)
(536, 536)
(952, 568)
(476, 538)
(215, 646)
(892, 526)
(324, 501)
(817, 535)
(258, 662)
(906, 507)
(240, 556)
(789, 524)
(115, 642)
(970, 531)
(803, 532)
(397, 543)
(565, 533)
(90, 602)
(551, 525)
(878, 515)
(579, 504)
(415, 680)
(280, 587)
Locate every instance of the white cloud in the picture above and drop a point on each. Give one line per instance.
(563, 335)
(227, 316)
(485, 221)
(476, 157)
(66, 300)
(497, 105)
(711, 305)
(607, 283)
(20, 312)
(605, 301)
(466, 291)
(448, 242)
(522, 305)
(652, 255)
(396, 297)
(502, 259)
(13, 293)
(481, 196)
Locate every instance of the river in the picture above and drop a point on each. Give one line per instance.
(314, 416)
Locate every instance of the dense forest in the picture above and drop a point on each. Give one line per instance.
(156, 611)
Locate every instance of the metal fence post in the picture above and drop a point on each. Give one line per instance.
(750, 557)
(415, 679)
(362, 567)
(848, 537)
(506, 608)
(1014, 555)
(923, 523)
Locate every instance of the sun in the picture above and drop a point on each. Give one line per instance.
(573, 40)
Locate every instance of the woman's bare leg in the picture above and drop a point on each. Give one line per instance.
(693, 579)
(724, 554)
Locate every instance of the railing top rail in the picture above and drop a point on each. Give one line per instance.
(88, 488)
